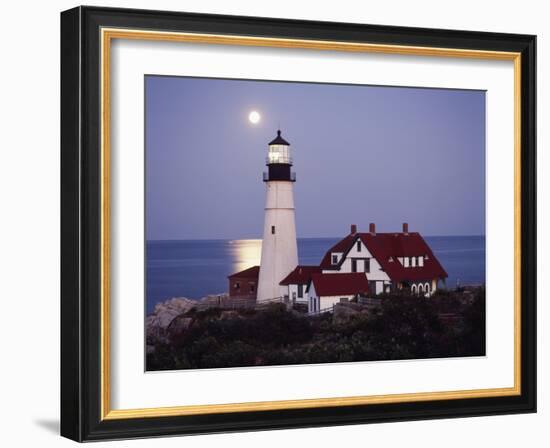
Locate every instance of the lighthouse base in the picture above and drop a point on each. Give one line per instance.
(279, 247)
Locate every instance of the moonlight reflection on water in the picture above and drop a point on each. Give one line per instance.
(245, 253)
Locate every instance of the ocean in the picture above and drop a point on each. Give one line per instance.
(196, 268)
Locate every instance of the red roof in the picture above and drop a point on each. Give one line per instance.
(252, 272)
(388, 246)
(300, 275)
(340, 284)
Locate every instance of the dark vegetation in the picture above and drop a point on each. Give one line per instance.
(448, 324)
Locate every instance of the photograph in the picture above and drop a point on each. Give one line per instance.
(293, 223)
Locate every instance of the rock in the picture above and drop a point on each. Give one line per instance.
(166, 320)
(163, 315)
(178, 325)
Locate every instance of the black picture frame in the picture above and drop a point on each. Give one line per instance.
(81, 224)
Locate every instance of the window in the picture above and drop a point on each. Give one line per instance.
(273, 230)
(367, 265)
(252, 287)
(237, 285)
(406, 262)
(372, 287)
(353, 265)
(413, 289)
(300, 291)
(358, 245)
(420, 289)
(335, 259)
(413, 261)
(313, 303)
(421, 261)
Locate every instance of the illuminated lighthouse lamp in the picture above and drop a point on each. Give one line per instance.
(279, 160)
(279, 151)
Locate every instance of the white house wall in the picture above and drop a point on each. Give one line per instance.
(327, 302)
(293, 289)
(324, 302)
(312, 296)
(354, 253)
(376, 273)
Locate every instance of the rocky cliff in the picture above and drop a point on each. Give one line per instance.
(157, 323)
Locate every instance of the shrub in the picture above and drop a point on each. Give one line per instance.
(406, 327)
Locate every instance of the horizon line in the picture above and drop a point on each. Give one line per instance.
(300, 237)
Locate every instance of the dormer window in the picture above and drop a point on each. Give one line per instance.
(358, 245)
(413, 262)
(334, 259)
(406, 262)
(421, 261)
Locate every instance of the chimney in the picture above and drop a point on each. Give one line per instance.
(406, 228)
(353, 229)
(372, 229)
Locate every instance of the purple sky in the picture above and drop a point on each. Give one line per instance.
(361, 154)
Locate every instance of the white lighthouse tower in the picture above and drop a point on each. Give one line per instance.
(279, 248)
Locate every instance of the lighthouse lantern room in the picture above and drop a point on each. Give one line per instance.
(279, 248)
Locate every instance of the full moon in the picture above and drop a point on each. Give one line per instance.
(254, 117)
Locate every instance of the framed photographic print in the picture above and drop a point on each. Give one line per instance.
(274, 223)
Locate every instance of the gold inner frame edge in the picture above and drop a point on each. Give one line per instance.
(107, 35)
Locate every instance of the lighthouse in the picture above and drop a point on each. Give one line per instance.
(279, 248)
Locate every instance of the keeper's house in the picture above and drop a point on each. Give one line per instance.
(367, 264)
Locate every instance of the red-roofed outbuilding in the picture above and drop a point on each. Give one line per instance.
(244, 284)
(297, 282)
(325, 290)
